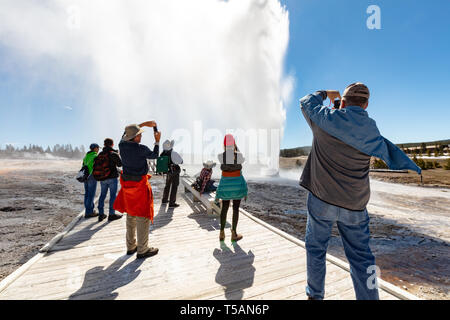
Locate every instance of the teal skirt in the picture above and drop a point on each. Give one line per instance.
(232, 188)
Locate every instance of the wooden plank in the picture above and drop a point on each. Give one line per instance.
(194, 260)
(198, 262)
(191, 286)
(269, 285)
(155, 276)
(189, 266)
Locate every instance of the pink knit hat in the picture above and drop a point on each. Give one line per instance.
(229, 141)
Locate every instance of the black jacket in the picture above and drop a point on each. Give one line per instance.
(114, 161)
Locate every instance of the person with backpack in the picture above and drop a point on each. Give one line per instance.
(336, 175)
(105, 171)
(232, 185)
(135, 196)
(173, 174)
(90, 185)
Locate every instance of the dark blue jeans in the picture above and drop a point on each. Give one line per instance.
(110, 184)
(353, 227)
(90, 187)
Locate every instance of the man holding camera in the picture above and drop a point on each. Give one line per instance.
(136, 196)
(337, 177)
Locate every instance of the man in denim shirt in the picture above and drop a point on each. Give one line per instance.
(337, 177)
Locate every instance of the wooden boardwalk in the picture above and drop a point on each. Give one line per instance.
(90, 263)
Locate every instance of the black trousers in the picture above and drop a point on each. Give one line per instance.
(223, 214)
(172, 182)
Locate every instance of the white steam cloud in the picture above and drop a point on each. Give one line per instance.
(174, 61)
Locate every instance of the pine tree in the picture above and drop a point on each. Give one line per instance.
(447, 165)
(423, 147)
(436, 152)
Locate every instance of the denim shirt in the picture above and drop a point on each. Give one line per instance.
(353, 126)
(337, 169)
(134, 157)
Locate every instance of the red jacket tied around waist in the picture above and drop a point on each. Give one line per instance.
(135, 198)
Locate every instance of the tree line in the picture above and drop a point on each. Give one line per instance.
(58, 150)
(437, 150)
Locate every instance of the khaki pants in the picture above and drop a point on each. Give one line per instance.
(142, 225)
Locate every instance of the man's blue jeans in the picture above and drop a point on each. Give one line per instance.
(353, 227)
(90, 187)
(110, 184)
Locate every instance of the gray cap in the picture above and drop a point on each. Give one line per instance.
(357, 89)
(131, 132)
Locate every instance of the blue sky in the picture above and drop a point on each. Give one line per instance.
(406, 66)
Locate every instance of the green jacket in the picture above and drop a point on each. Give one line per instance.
(89, 160)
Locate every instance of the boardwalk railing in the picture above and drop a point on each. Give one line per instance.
(209, 201)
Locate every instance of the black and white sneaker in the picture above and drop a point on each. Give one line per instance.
(150, 252)
(91, 215)
(115, 216)
(130, 252)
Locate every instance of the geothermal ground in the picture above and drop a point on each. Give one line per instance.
(410, 225)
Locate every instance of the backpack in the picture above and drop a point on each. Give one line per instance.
(83, 174)
(171, 167)
(102, 168)
(162, 164)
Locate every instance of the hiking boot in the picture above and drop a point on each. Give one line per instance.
(235, 236)
(113, 217)
(150, 252)
(91, 215)
(130, 252)
(174, 205)
(101, 217)
(222, 235)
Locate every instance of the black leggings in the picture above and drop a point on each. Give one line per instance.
(223, 214)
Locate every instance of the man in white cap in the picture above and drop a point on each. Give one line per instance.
(173, 176)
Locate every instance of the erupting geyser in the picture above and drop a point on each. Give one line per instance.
(173, 61)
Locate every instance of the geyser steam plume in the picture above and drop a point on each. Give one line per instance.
(176, 61)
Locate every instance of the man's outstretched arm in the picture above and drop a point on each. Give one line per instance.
(312, 104)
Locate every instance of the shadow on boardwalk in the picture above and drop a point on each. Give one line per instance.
(80, 236)
(206, 221)
(236, 271)
(163, 218)
(100, 283)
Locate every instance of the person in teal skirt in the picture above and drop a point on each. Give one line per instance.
(232, 185)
